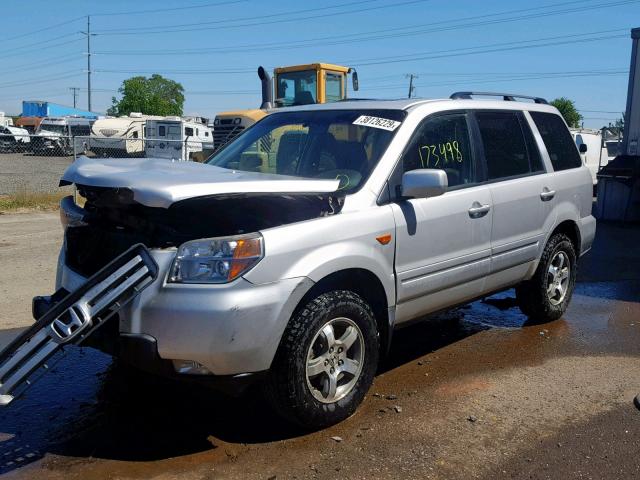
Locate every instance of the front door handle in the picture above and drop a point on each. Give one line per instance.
(547, 194)
(477, 210)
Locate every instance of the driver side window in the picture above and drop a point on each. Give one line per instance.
(442, 142)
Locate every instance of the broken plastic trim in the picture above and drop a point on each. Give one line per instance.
(73, 319)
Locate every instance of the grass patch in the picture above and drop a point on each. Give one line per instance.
(23, 199)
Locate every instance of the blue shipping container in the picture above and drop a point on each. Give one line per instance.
(36, 108)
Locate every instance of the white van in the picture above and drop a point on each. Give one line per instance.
(120, 136)
(62, 135)
(13, 139)
(177, 139)
(592, 150)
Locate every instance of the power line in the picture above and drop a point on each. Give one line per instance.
(172, 28)
(490, 48)
(600, 111)
(42, 80)
(182, 72)
(15, 54)
(409, 30)
(240, 19)
(33, 32)
(181, 8)
(51, 61)
(506, 46)
(502, 79)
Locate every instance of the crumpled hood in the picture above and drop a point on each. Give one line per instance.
(159, 182)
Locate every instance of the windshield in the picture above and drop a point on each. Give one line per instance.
(296, 88)
(53, 128)
(341, 144)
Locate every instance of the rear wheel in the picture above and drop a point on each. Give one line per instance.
(547, 295)
(326, 361)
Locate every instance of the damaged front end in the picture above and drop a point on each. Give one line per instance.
(111, 220)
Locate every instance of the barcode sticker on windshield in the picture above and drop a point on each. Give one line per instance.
(377, 122)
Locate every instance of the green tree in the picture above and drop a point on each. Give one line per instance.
(568, 110)
(151, 96)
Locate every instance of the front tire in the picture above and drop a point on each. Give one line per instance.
(326, 361)
(546, 296)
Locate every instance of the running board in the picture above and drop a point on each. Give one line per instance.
(73, 319)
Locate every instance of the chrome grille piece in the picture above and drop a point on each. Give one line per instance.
(74, 318)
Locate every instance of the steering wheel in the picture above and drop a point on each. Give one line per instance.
(348, 178)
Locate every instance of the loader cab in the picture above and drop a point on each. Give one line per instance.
(308, 84)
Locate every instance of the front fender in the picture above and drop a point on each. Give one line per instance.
(322, 246)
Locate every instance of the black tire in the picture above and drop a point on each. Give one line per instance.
(532, 296)
(286, 388)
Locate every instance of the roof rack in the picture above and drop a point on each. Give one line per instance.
(507, 97)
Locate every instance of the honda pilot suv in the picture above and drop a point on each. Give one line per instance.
(294, 252)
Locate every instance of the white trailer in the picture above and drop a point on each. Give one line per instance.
(120, 136)
(5, 121)
(178, 139)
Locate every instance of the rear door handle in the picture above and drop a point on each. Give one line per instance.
(547, 194)
(477, 210)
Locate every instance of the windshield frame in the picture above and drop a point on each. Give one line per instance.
(292, 75)
(396, 114)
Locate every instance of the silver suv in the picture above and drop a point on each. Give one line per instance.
(295, 251)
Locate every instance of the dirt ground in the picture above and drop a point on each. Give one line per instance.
(477, 392)
(29, 245)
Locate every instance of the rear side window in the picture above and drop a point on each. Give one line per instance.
(562, 150)
(509, 146)
(442, 142)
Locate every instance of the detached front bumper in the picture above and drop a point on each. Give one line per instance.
(229, 329)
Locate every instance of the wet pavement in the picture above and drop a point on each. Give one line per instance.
(476, 392)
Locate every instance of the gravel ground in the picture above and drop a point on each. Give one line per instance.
(476, 393)
(36, 173)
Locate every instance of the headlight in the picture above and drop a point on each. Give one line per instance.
(71, 214)
(216, 260)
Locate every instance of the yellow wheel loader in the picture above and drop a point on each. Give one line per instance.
(294, 85)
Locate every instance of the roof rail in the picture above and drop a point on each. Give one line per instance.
(507, 97)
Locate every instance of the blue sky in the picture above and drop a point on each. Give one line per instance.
(552, 48)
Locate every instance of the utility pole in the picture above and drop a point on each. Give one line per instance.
(88, 34)
(74, 90)
(411, 76)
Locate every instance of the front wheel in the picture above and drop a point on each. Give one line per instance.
(326, 360)
(546, 296)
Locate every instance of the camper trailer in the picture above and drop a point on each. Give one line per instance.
(120, 136)
(178, 139)
(5, 121)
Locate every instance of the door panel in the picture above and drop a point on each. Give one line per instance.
(516, 172)
(441, 246)
(518, 220)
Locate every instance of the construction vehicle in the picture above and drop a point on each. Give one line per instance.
(294, 85)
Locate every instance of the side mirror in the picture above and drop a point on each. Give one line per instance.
(354, 81)
(583, 148)
(424, 183)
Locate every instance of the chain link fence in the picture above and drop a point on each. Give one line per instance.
(33, 164)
